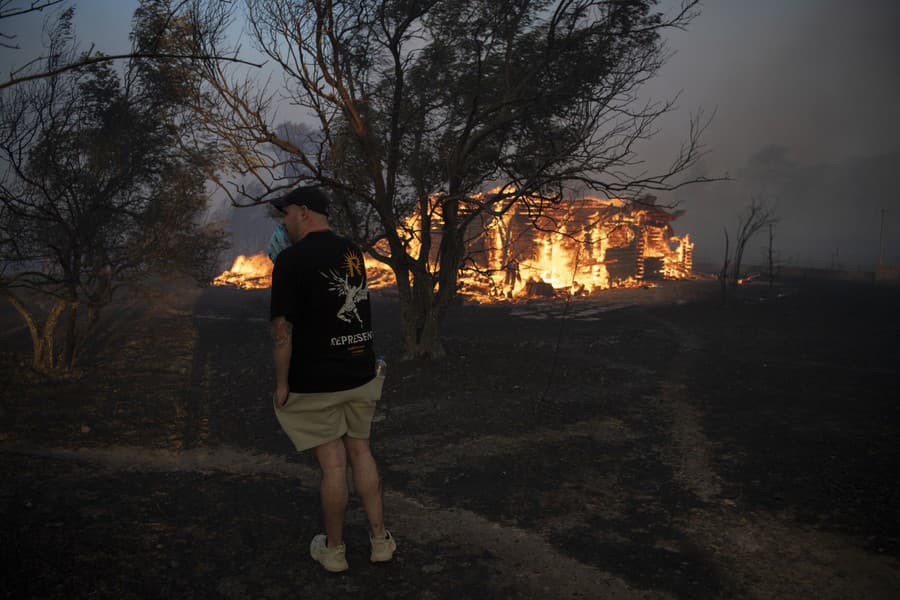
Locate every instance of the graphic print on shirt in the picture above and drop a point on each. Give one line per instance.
(352, 294)
(353, 264)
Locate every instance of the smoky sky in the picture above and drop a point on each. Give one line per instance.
(819, 76)
(813, 82)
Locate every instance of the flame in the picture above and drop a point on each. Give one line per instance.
(576, 248)
(534, 249)
(248, 272)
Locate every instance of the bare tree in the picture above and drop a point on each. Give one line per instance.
(755, 217)
(726, 263)
(425, 105)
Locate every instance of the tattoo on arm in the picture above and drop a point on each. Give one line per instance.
(281, 332)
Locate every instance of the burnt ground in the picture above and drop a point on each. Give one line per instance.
(646, 444)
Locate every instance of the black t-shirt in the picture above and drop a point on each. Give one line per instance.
(319, 286)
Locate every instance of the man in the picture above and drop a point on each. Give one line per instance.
(325, 384)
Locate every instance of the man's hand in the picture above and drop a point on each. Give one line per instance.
(280, 396)
(281, 354)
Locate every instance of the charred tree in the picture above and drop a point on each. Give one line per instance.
(726, 262)
(755, 217)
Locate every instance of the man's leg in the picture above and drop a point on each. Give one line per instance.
(367, 482)
(333, 489)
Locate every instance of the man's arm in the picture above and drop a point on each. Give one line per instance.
(281, 356)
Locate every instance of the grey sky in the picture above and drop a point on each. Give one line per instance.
(818, 77)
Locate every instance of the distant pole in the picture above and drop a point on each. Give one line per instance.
(881, 243)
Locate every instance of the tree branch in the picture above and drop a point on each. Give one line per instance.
(96, 59)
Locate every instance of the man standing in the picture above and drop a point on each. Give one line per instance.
(325, 383)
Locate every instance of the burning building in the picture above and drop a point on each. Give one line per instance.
(577, 246)
(541, 249)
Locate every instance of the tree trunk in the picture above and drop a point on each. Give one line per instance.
(90, 325)
(41, 340)
(68, 357)
(48, 360)
(421, 333)
(736, 265)
(421, 308)
(723, 274)
(36, 339)
(420, 319)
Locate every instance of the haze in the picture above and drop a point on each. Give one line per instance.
(805, 95)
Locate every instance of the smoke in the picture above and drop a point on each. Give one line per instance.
(805, 94)
(843, 215)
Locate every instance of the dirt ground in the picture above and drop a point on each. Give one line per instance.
(644, 444)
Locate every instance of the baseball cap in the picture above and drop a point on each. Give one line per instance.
(310, 196)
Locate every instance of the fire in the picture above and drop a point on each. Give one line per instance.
(248, 272)
(577, 247)
(537, 249)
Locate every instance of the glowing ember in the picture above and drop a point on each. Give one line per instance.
(248, 272)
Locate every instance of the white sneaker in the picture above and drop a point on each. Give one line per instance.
(383, 549)
(333, 559)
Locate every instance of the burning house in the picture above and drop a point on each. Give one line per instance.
(541, 249)
(578, 246)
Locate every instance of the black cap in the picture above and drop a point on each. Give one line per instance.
(310, 196)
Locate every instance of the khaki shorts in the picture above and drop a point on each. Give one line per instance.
(313, 419)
